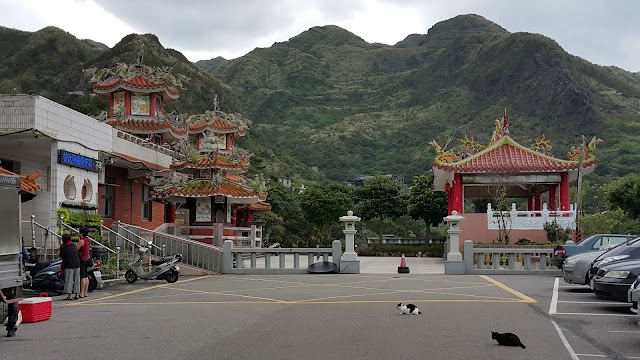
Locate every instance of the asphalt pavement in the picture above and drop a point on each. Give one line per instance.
(300, 317)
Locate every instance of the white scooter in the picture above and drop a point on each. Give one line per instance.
(161, 269)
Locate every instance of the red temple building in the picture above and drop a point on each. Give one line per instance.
(505, 169)
(193, 168)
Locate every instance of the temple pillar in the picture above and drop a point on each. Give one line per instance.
(172, 213)
(537, 201)
(564, 191)
(250, 216)
(447, 189)
(530, 203)
(457, 193)
(234, 216)
(553, 198)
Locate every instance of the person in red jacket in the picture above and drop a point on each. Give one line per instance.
(84, 245)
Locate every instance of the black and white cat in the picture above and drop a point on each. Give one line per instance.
(408, 309)
(507, 339)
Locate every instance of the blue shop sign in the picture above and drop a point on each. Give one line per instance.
(79, 161)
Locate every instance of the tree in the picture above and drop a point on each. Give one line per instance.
(625, 194)
(285, 204)
(426, 204)
(382, 197)
(324, 204)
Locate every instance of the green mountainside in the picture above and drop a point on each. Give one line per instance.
(352, 108)
(327, 98)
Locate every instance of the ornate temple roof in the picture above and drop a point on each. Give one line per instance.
(137, 125)
(506, 155)
(207, 188)
(259, 206)
(137, 83)
(212, 161)
(28, 186)
(218, 122)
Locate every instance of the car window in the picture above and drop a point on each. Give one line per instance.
(597, 244)
(622, 248)
(615, 240)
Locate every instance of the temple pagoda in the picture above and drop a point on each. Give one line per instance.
(208, 175)
(205, 178)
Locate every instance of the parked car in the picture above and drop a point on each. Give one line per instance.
(594, 242)
(614, 280)
(633, 294)
(626, 251)
(575, 269)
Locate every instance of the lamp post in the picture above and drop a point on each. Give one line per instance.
(349, 262)
(454, 264)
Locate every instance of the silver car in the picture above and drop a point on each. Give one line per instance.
(575, 268)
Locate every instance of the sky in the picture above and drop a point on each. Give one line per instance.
(603, 32)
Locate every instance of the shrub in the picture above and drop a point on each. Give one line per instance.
(556, 233)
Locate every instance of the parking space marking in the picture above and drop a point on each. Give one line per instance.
(553, 307)
(226, 293)
(595, 314)
(564, 340)
(604, 356)
(504, 287)
(590, 302)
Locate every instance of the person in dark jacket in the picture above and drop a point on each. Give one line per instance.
(70, 266)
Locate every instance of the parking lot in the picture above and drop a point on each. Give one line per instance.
(337, 317)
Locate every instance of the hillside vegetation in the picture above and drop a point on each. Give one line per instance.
(327, 98)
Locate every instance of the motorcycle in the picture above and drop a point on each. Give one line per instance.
(161, 269)
(47, 276)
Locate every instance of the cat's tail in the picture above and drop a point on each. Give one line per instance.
(522, 346)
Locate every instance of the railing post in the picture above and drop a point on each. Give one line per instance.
(468, 256)
(336, 253)
(543, 261)
(33, 231)
(117, 260)
(227, 256)
(253, 236)
(164, 247)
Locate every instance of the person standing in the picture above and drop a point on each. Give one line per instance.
(12, 309)
(70, 266)
(84, 245)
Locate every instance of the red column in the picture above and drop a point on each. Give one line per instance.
(564, 191)
(250, 216)
(449, 191)
(234, 214)
(537, 200)
(530, 203)
(457, 192)
(127, 103)
(553, 198)
(172, 213)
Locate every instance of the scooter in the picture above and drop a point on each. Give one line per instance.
(161, 269)
(47, 276)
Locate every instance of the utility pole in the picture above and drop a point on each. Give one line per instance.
(579, 194)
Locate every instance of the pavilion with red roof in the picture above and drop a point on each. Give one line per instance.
(476, 171)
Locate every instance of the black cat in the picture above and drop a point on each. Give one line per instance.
(507, 339)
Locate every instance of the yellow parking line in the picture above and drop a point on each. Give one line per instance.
(130, 292)
(504, 287)
(295, 302)
(226, 294)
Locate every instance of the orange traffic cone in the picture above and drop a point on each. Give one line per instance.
(403, 268)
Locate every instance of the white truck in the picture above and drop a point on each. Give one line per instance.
(11, 268)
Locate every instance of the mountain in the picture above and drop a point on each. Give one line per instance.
(49, 62)
(327, 98)
(332, 100)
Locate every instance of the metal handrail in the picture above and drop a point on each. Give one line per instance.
(93, 240)
(141, 238)
(119, 235)
(46, 232)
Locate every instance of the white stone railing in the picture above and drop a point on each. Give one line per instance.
(513, 260)
(530, 220)
(288, 259)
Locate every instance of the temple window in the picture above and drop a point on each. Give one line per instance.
(146, 203)
(106, 198)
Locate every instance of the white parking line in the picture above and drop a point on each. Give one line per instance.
(604, 356)
(564, 339)
(595, 314)
(593, 302)
(553, 307)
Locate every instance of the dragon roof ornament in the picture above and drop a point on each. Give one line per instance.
(126, 72)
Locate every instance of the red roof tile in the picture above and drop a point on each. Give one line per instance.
(27, 183)
(136, 83)
(206, 162)
(206, 188)
(145, 126)
(216, 125)
(506, 155)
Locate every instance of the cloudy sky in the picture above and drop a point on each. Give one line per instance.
(601, 31)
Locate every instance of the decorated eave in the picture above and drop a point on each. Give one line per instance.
(259, 206)
(28, 187)
(237, 193)
(138, 83)
(505, 155)
(147, 125)
(213, 161)
(218, 122)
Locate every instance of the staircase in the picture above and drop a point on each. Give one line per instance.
(197, 258)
